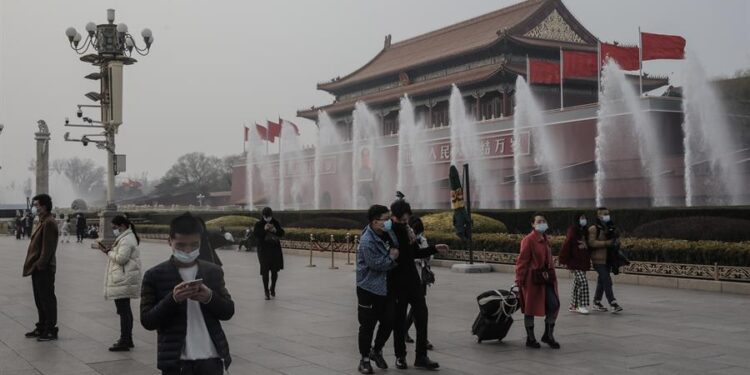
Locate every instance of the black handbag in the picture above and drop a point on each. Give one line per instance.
(428, 277)
(540, 276)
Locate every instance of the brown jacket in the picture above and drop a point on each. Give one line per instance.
(598, 245)
(41, 253)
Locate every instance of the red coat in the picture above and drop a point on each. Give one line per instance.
(532, 295)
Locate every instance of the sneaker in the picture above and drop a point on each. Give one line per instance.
(364, 366)
(616, 308)
(121, 346)
(401, 363)
(378, 358)
(572, 308)
(582, 310)
(34, 334)
(48, 335)
(599, 307)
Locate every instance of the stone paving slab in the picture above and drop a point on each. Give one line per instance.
(311, 327)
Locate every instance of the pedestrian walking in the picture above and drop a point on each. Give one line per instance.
(406, 286)
(268, 232)
(41, 265)
(80, 228)
(19, 225)
(65, 230)
(537, 281)
(122, 281)
(185, 299)
(426, 276)
(575, 255)
(601, 236)
(376, 255)
(28, 224)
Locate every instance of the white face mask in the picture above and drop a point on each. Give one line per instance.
(186, 258)
(583, 222)
(116, 232)
(34, 211)
(267, 219)
(605, 218)
(541, 227)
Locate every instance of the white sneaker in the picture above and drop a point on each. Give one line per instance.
(572, 308)
(582, 310)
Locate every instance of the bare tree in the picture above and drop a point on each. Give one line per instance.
(87, 177)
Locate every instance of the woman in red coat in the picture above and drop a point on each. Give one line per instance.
(535, 276)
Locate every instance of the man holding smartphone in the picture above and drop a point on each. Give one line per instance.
(185, 299)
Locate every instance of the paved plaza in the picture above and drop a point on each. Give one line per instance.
(311, 327)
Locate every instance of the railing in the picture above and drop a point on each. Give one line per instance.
(691, 271)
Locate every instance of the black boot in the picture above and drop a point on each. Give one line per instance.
(377, 356)
(401, 363)
(268, 296)
(423, 361)
(548, 338)
(35, 333)
(122, 345)
(364, 366)
(530, 339)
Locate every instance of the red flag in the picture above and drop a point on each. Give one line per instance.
(262, 132)
(579, 64)
(545, 72)
(626, 57)
(296, 129)
(274, 130)
(661, 46)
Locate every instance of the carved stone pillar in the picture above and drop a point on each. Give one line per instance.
(42, 158)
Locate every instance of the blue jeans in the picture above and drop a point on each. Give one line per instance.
(603, 284)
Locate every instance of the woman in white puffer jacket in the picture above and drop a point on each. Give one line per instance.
(123, 278)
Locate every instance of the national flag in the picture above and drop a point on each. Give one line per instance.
(662, 46)
(579, 64)
(274, 130)
(262, 132)
(296, 129)
(626, 57)
(545, 72)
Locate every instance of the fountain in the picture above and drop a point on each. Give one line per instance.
(366, 142)
(291, 167)
(546, 151)
(412, 150)
(711, 154)
(328, 135)
(465, 148)
(614, 142)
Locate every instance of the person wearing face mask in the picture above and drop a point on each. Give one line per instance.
(376, 255)
(575, 255)
(123, 278)
(405, 285)
(41, 265)
(600, 237)
(423, 270)
(537, 281)
(268, 231)
(185, 299)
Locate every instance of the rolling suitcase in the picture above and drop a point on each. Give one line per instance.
(491, 328)
(496, 308)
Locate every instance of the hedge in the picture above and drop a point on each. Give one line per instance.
(697, 228)
(232, 221)
(443, 222)
(639, 249)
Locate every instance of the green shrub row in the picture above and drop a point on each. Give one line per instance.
(639, 249)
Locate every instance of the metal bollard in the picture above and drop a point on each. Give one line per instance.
(332, 267)
(349, 249)
(312, 240)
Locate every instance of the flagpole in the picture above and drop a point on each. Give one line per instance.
(598, 70)
(561, 80)
(528, 71)
(640, 60)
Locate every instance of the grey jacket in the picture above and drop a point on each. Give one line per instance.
(373, 263)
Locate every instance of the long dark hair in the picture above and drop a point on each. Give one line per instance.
(122, 220)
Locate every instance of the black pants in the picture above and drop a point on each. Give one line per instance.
(43, 283)
(410, 314)
(274, 277)
(212, 366)
(126, 318)
(80, 234)
(19, 232)
(373, 309)
(419, 310)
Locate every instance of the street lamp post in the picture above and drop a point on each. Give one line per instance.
(113, 46)
(200, 198)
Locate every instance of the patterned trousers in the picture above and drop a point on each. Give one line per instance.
(580, 292)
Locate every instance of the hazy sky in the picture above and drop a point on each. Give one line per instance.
(217, 65)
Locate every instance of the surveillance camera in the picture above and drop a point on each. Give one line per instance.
(85, 141)
(67, 121)
(86, 119)
(79, 113)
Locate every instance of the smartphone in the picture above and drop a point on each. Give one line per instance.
(193, 283)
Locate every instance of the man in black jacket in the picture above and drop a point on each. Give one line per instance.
(406, 286)
(80, 228)
(185, 299)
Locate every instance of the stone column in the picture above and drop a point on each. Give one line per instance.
(42, 158)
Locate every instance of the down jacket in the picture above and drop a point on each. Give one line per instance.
(123, 278)
(160, 312)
